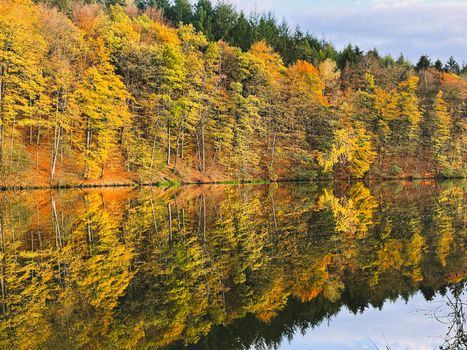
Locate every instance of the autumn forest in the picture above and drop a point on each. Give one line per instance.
(155, 91)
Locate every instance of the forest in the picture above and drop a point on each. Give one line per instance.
(115, 93)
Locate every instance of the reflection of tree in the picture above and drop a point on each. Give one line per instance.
(222, 267)
(456, 336)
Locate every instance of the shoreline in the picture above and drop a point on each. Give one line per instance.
(169, 183)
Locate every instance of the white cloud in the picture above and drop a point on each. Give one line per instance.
(401, 325)
(413, 27)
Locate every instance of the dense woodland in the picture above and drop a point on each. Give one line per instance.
(93, 92)
(224, 266)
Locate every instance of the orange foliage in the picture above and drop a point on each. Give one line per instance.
(306, 80)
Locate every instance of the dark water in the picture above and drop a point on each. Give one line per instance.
(309, 266)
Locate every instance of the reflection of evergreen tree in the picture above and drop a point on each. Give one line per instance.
(222, 266)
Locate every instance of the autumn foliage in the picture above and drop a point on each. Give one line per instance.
(110, 92)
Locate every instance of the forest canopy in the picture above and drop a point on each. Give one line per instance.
(152, 90)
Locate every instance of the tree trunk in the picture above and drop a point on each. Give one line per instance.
(55, 151)
(177, 143)
(182, 153)
(56, 223)
(273, 150)
(198, 149)
(177, 146)
(88, 145)
(2, 115)
(1, 141)
(153, 153)
(168, 142)
(203, 148)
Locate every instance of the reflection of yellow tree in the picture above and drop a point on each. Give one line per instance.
(353, 214)
(167, 266)
(448, 210)
(27, 284)
(98, 266)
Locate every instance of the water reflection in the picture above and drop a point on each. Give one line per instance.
(215, 267)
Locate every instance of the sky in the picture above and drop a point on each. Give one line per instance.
(400, 325)
(437, 28)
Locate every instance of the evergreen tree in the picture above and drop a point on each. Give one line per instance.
(423, 63)
(452, 66)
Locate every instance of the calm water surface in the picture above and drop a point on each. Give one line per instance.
(309, 266)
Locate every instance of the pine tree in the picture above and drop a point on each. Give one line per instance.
(423, 63)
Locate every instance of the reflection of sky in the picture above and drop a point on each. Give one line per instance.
(401, 325)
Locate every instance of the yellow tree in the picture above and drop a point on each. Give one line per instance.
(442, 132)
(307, 122)
(103, 108)
(351, 152)
(60, 73)
(268, 83)
(21, 47)
(410, 115)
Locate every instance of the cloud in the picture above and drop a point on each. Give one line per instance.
(401, 325)
(413, 27)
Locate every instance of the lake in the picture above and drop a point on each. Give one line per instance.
(282, 266)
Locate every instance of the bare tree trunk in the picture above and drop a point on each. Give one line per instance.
(153, 154)
(55, 151)
(88, 145)
(273, 150)
(56, 223)
(2, 115)
(2, 128)
(38, 140)
(203, 148)
(168, 142)
(182, 153)
(12, 142)
(198, 150)
(177, 143)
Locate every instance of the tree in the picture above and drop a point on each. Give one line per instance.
(61, 77)
(21, 80)
(406, 128)
(442, 133)
(351, 152)
(225, 19)
(181, 11)
(423, 63)
(103, 108)
(438, 65)
(452, 66)
(203, 17)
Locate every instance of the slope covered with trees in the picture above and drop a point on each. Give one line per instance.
(119, 93)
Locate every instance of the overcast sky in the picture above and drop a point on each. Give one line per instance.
(437, 28)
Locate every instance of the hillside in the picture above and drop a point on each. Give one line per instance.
(114, 95)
